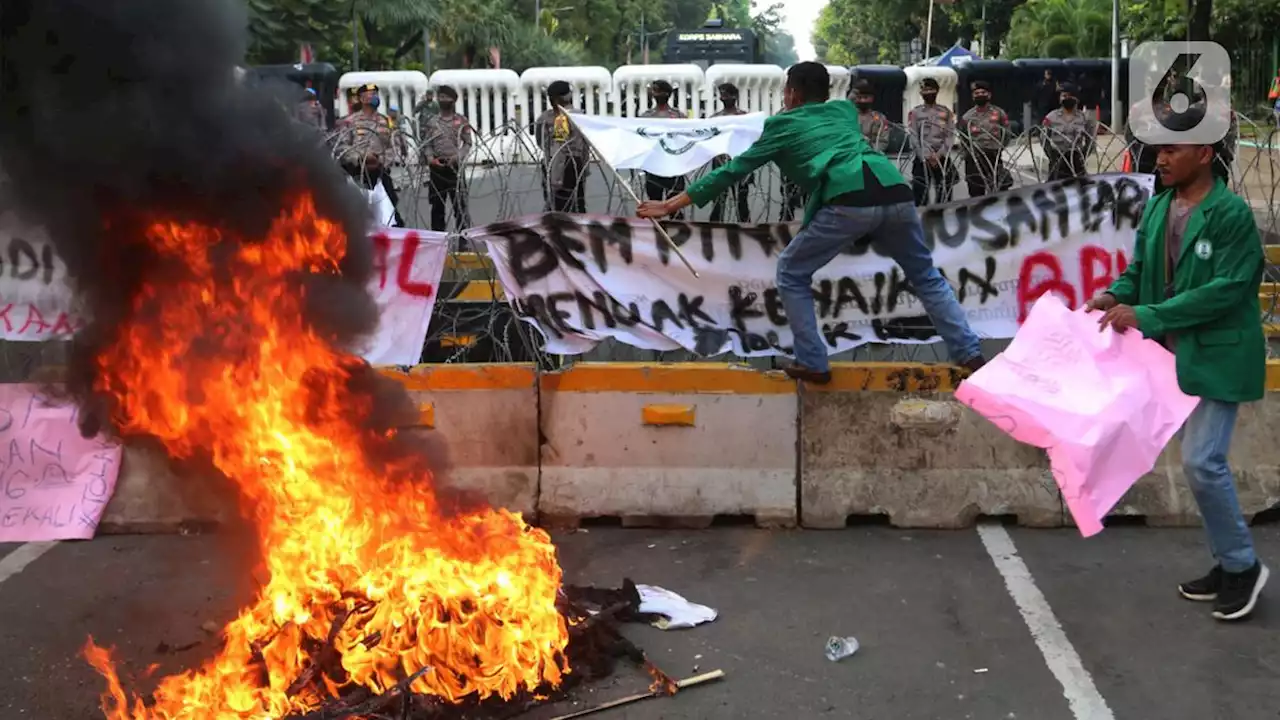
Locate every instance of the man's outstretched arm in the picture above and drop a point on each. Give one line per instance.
(718, 181)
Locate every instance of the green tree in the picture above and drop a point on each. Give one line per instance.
(851, 32)
(1060, 29)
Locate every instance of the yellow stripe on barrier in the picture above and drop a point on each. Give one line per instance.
(466, 376)
(479, 291)
(669, 415)
(890, 377)
(450, 340)
(468, 261)
(685, 378)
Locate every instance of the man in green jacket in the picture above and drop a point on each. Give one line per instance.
(854, 192)
(1193, 285)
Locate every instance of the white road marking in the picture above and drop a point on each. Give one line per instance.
(14, 562)
(1082, 695)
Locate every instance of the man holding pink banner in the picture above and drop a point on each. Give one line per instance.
(1193, 285)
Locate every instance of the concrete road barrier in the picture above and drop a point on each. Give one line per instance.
(889, 440)
(680, 444)
(664, 444)
(480, 422)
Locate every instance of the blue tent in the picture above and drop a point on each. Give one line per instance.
(948, 58)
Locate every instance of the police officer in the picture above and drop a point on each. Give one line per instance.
(309, 112)
(931, 128)
(1142, 155)
(1069, 136)
(657, 187)
(565, 151)
(741, 191)
(873, 124)
(365, 145)
(986, 129)
(445, 145)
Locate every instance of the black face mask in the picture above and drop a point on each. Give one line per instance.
(661, 99)
(1070, 103)
(447, 105)
(981, 100)
(930, 97)
(864, 104)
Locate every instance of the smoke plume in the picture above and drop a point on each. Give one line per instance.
(117, 113)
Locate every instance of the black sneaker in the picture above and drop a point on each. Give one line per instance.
(1205, 589)
(1239, 592)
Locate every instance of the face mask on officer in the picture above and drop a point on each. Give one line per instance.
(929, 94)
(1069, 103)
(981, 97)
(864, 102)
(447, 103)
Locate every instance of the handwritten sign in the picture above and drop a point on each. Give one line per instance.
(54, 484)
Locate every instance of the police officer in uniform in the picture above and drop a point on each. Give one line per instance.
(565, 151)
(445, 145)
(657, 187)
(365, 146)
(986, 127)
(741, 191)
(1143, 156)
(931, 129)
(309, 112)
(873, 124)
(1069, 136)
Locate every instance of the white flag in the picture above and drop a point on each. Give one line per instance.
(669, 147)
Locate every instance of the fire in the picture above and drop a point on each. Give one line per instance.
(355, 545)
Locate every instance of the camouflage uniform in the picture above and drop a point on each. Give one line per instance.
(987, 130)
(875, 128)
(740, 192)
(932, 130)
(1069, 138)
(447, 139)
(566, 157)
(655, 186)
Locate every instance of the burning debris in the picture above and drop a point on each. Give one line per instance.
(223, 261)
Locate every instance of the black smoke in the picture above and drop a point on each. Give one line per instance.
(116, 112)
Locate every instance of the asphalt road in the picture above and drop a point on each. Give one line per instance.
(942, 634)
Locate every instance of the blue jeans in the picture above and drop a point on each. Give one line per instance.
(895, 232)
(1206, 438)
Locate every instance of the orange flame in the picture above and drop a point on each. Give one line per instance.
(354, 548)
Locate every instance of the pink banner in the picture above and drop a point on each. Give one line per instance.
(54, 484)
(1103, 404)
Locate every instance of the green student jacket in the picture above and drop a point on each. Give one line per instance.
(817, 146)
(1214, 313)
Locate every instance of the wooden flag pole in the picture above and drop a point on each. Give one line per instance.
(681, 684)
(617, 176)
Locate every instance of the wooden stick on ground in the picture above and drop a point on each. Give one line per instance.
(682, 684)
(617, 176)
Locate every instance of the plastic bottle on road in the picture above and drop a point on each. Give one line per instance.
(839, 648)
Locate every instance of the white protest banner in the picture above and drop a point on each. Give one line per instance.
(581, 279)
(408, 265)
(37, 304)
(54, 484)
(668, 147)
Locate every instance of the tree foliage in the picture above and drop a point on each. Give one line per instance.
(1060, 29)
(564, 32)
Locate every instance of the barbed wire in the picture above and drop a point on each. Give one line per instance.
(504, 177)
